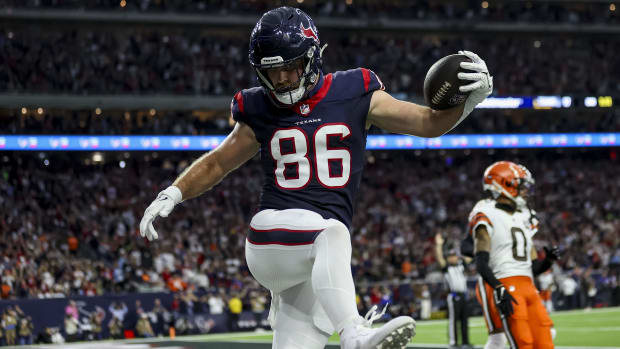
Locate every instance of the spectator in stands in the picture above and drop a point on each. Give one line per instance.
(71, 328)
(72, 310)
(9, 324)
(216, 302)
(143, 327)
(235, 307)
(257, 303)
(189, 299)
(425, 303)
(115, 327)
(118, 310)
(176, 305)
(96, 323)
(73, 244)
(161, 316)
(176, 283)
(6, 288)
(131, 320)
(25, 330)
(203, 304)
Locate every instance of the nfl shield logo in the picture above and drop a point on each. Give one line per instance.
(304, 109)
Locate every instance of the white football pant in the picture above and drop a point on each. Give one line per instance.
(305, 260)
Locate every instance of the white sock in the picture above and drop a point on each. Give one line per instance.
(496, 341)
(332, 281)
(553, 332)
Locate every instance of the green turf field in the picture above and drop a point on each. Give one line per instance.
(596, 328)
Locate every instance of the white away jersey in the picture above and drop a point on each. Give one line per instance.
(511, 238)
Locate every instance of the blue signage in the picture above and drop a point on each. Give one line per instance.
(200, 143)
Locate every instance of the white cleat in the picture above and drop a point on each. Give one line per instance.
(395, 334)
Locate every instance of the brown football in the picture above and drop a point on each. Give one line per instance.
(441, 85)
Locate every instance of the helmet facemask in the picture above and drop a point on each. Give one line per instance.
(525, 189)
(294, 91)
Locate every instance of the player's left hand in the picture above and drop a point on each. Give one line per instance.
(503, 300)
(481, 85)
(482, 81)
(552, 253)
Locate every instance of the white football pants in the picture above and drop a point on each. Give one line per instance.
(310, 280)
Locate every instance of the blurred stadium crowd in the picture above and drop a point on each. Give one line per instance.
(74, 232)
(508, 10)
(143, 61)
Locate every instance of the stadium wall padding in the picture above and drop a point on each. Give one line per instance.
(50, 312)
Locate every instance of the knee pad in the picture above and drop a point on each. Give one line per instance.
(338, 231)
(337, 238)
(553, 332)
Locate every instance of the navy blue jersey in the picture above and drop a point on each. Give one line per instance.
(312, 153)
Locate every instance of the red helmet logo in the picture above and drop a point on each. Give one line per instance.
(309, 32)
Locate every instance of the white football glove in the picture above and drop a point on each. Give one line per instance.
(481, 86)
(162, 206)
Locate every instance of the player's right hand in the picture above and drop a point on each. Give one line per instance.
(503, 300)
(162, 206)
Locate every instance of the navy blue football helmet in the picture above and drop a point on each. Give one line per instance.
(286, 37)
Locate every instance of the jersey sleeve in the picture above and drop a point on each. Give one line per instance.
(478, 218)
(371, 81)
(236, 108)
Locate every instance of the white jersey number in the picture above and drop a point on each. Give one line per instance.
(298, 157)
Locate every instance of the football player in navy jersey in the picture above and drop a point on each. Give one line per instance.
(310, 129)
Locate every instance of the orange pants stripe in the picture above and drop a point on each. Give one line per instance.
(529, 327)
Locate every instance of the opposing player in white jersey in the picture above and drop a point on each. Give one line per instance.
(311, 129)
(546, 284)
(503, 226)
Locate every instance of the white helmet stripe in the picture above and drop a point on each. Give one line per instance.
(515, 170)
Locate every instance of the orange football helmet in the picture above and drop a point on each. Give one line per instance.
(509, 179)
